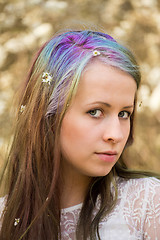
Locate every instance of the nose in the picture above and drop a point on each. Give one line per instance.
(113, 131)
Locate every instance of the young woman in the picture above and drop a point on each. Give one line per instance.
(66, 176)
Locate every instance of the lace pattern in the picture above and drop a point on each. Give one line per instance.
(136, 215)
(69, 219)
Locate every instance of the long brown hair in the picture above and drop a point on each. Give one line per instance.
(33, 194)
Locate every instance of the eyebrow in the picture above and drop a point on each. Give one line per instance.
(109, 105)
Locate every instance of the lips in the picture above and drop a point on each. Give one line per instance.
(107, 156)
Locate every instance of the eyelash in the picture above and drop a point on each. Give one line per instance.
(128, 114)
(96, 109)
(101, 112)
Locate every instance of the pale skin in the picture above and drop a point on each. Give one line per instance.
(95, 128)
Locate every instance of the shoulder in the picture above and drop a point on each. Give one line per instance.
(137, 211)
(2, 204)
(140, 204)
(141, 193)
(147, 184)
(2, 207)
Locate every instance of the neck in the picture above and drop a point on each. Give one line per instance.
(73, 187)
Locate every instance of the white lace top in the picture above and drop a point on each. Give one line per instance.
(136, 215)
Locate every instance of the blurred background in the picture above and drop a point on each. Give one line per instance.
(26, 24)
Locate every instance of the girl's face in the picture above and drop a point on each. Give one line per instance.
(96, 126)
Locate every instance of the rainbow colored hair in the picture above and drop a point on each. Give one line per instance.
(66, 55)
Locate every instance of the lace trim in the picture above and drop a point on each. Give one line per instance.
(72, 208)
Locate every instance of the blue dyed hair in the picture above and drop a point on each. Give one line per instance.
(66, 55)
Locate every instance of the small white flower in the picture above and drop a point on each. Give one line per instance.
(16, 221)
(140, 104)
(22, 108)
(46, 78)
(96, 53)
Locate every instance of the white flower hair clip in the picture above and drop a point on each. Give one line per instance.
(22, 108)
(46, 78)
(16, 221)
(96, 53)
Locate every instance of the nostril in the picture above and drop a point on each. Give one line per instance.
(111, 139)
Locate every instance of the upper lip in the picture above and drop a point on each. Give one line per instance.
(108, 152)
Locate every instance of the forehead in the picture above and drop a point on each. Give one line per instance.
(99, 73)
(103, 65)
(103, 82)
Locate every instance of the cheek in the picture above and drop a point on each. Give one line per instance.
(126, 132)
(71, 135)
(75, 128)
(70, 129)
(130, 136)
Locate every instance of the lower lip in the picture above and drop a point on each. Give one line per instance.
(107, 157)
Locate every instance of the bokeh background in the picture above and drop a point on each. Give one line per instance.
(26, 24)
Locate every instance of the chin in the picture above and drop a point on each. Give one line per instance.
(100, 173)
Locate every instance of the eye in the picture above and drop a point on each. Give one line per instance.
(96, 113)
(124, 114)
